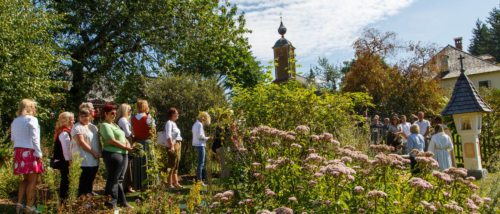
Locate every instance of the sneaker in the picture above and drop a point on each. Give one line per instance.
(203, 184)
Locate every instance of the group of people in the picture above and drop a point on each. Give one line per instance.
(114, 139)
(419, 135)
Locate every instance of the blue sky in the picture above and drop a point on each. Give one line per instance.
(327, 28)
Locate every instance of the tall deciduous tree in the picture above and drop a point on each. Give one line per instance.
(111, 39)
(405, 87)
(28, 56)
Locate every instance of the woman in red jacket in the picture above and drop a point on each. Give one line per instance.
(142, 123)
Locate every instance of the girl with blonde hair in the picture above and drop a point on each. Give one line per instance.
(123, 121)
(61, 155)
(199, 143)
(25, 133)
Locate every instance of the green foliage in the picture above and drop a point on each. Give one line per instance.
(290, 104)
(74, 177)
(109, 40)
(194, 197)
(190, 94)
(9, 183)
(28, 58)
(491, 128)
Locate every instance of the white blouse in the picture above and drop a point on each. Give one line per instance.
(172, 131)
(199, 138)
(25, 133)
(125, 126)
(91, 136)
(65, 140)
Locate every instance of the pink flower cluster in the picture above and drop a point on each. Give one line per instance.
(224, 196)
(283, 210)
(314, 158)
(376, 194)
(390, 160)
(359, 189)
(337, 168)
(442, 176)
(302, 129)
(247, 202)
(381, 148)
(420, 183)
(354, 154)
(296, 146)
(268, 131)
(426, 160)
(471, 205)
(454, 207)
(269, 192)
(429, 206)
(456, 172)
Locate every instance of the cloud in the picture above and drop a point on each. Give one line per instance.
(315, 27)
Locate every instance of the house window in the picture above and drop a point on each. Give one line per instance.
(485, 83)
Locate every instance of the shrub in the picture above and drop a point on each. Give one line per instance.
(190, 94)
(288, 105)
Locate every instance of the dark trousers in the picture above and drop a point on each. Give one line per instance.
(127, 182)
(413, 165)
(116, 164)
(87, 179)
(139, 167)
(64, 185)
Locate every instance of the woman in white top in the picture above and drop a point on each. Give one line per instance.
(173, 136)
(86, 143)
(404, 129)
(25, 133)
(441, 146)
(123, 121)
(199, 142)
(62, 151)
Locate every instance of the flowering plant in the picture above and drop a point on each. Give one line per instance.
(286, 171)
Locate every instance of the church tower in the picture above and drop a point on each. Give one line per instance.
(284, 57)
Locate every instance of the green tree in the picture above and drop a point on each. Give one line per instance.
(329, 75)
(494, 22)
(28, 57)
(111, 39)
(480, 42)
